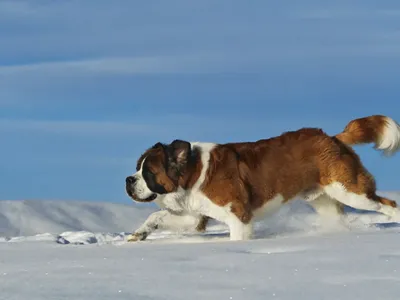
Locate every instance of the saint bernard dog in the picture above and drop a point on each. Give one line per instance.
(238, 183)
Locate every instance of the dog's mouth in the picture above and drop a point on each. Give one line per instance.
(136, 198)
(150, 198)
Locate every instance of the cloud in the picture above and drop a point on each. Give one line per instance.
(15, 8)
(152, 39)
(66, 160)
(160, 125)
(201, 63)
(99, 56)
(157, 127)
(103, 128)
(167, 126)
(347, 12)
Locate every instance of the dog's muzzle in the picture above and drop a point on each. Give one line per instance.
(130, 182)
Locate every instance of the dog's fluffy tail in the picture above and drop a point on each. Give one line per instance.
(382, 131)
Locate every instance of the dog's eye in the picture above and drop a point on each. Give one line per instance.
(149, 175)
(154, 172)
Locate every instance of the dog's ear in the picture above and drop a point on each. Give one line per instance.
(178, 154)
(158, 145)
(144, 155)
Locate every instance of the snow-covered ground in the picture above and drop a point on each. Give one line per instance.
(73, 250)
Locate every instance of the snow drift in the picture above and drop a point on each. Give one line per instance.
(31, 217)
(73, 222)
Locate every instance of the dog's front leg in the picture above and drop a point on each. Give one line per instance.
(164, 219)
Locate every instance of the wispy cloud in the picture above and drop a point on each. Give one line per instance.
(346, 12)
(159, 126)
(169, 126)
(93, 128)
(150, 39)
(91, 160)
(201, 63)
(15, 8)
(155, 128)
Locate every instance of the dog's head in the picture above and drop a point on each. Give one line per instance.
(158, 171)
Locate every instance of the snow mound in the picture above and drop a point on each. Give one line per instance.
(85, 238)
(84, 223)
(30, 218)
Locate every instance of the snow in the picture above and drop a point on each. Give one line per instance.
(74, 250)
(27, 218)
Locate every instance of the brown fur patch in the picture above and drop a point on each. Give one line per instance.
(250, 174)
(155, 161)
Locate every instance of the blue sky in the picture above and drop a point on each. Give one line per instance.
(87, 86)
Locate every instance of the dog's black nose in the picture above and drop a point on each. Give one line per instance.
(130, 180)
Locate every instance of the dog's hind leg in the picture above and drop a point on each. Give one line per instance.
(327, 207)
(355, 187)
(202, 224)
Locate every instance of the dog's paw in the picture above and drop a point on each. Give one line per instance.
(137, 237)
(389, 211)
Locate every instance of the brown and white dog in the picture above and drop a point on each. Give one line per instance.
(238, 183)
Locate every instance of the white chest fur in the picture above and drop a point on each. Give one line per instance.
(193, 201)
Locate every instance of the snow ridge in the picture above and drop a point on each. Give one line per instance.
(83, 223)
(32, 217)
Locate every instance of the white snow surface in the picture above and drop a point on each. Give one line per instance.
(74, 250)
